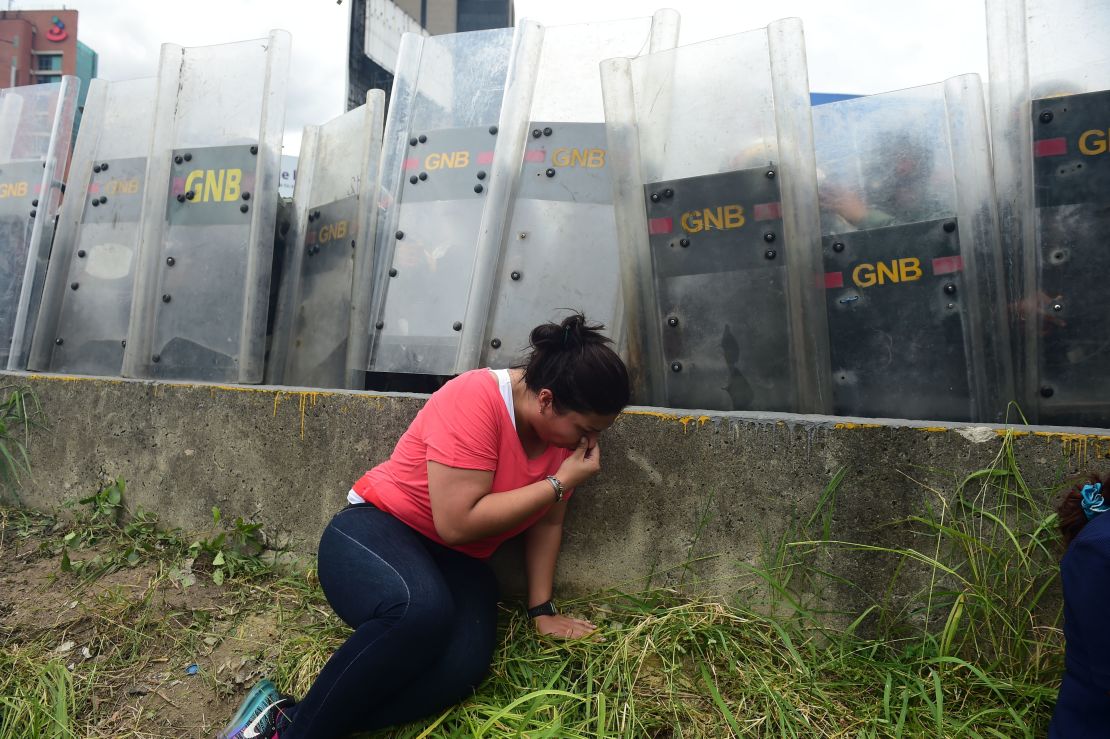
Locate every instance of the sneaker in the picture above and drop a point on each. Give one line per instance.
(259, 714)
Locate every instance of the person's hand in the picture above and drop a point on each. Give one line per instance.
(564, 627)
(581, 465)
(1040, 307)
(846, 203)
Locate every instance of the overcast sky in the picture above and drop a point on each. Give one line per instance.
(858, 46)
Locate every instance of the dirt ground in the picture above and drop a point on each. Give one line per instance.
(154, 649)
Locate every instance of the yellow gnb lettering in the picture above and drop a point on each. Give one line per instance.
(909, 269)
(721, 218)
(13, 190)
(1099, 145)
(233, 184)
(332, 231)
(123, 187)
(906, 269)
(450, 160)
(691, 221)
(588, 158)
(214, 185)
(734, 216)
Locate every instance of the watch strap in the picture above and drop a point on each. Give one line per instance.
(547, 608)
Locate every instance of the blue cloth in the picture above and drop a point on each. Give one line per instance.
(1083, 706)
(425, 621)
(1092, 501)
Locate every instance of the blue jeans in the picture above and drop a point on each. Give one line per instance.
(425, 621)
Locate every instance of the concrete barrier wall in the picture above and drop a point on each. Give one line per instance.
(675, 488)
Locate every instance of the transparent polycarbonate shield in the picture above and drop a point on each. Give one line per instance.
(209, 208)
(336, 206)
(1072, 207)
(560, 251)
(1050, 103)
(448, 164)
(36, 126)
(716, 205)
(719, 264)
(86, 302)
(912, 259)
(19, 186)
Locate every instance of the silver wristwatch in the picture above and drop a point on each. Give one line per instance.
(559, 489)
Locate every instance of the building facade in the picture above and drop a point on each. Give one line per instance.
(376, 27)
(40, 46)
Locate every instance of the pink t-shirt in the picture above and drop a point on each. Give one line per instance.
(464, 424)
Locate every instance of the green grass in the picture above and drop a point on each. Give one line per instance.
(20, 411)
(36, 698)
(973, 649)
(47, 693)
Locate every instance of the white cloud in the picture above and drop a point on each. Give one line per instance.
(128, 35)
(857, 46)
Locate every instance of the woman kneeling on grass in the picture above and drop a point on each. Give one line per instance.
(1083, 706)
(492, 454)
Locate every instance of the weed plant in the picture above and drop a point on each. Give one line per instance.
(973, 650)
(47, 693)
(36, 698)
(977, 649)
(20, 411)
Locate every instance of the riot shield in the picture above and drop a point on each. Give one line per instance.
(715, 195)
(1050, 103)
(209, 206)
(560, 247)
(912, 257)
(449, 159)
(82, 325)
(36, 128)
(320, 333)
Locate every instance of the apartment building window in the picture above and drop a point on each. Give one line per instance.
(49, 63)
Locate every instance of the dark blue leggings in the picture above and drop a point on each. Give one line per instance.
(425, 621)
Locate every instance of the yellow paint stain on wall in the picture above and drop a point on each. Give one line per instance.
(74, 378)
(672, 417)
(933, 429)
(265, 390)
(843, 425)
(687, 420)
(305, 398)
(654, 414)
(1082, 446)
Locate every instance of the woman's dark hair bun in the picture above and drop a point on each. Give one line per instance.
(569, 334)
(573, 359)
